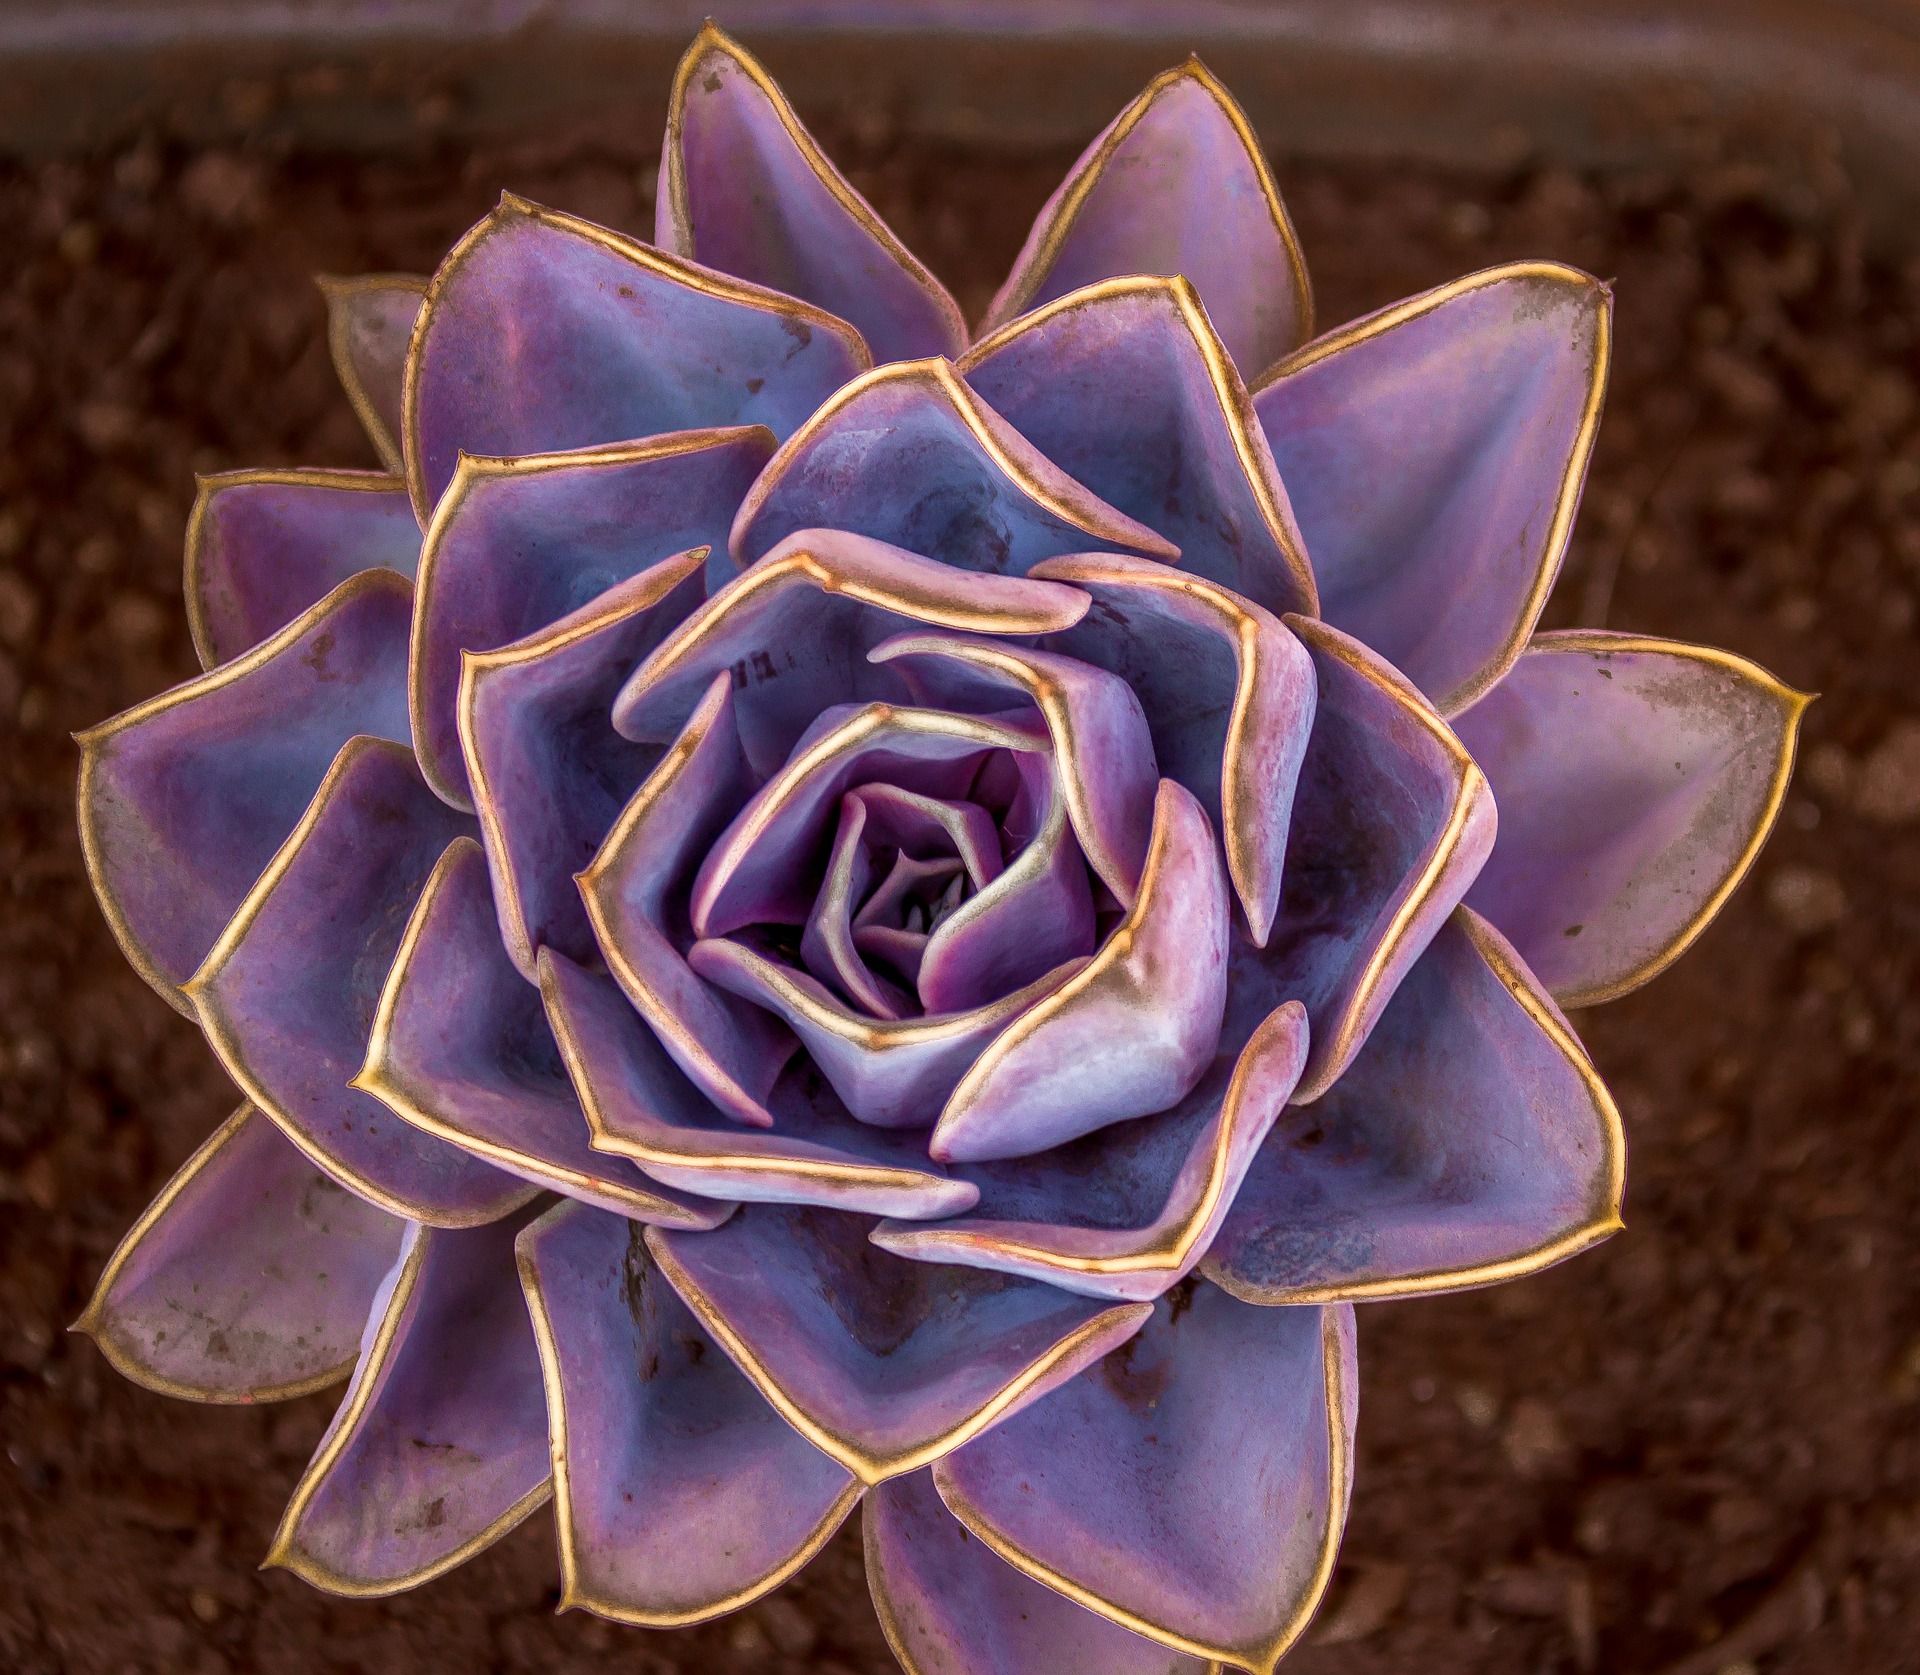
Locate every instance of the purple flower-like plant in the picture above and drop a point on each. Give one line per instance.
(813, 908)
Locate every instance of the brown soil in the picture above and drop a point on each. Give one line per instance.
(1692, 1451)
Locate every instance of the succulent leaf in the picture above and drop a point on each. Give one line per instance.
(1143, 1493)
(908, 454)
(1639, 779)
(640, 1106)
(263, 547)
(1435, 453)
(1228, 694)
(543, 333)
(949, 1606)
(185, 798)
(679, 1493)
(1391, 822)
(460, 1047)
(1181, 450)
(1470, 1141)
(370, 321)
(1127, 1210)
(1126, 1035)
(884, 1365)
(287, 995)
(517, 544)
(439, 1446)
(248, 1279)
(798, 625)
(549, 774)
(1177, 185)
(745, 189)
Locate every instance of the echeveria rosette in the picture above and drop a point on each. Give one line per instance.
(809, 910)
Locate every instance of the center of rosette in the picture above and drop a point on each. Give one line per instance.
(904, 864)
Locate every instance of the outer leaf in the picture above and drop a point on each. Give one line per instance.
(517, 544)
(184, 798)
(1191, 1487)
(370, 320)
(949, 1607)
(679, 1493)
(542, 332)
(440, 1445)
(744, 188)
(1125, 386)
(1177, 184)
(247, 1280)
(287, 995)
(1470, 1142)
(1637, 780)
(263, 547)
(1435, 452)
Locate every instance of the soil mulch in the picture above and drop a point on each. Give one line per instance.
(1692, 1452)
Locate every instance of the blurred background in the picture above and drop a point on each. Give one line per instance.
(1692, 1452)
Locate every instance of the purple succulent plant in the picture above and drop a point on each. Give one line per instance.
(856, 918)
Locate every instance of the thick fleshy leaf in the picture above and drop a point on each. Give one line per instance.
(461, 1049)
(744, 188)
(827, 946)
(548, 772)
(924, 826)
(1391, 821)
(1228, 693)
(757, 873)
(1127, 1211)
(440, 1446)
(265, 546)
(1102, 749)
(287, 996)
(517, 544)
(1131, 1032)
(679, 1493)
(635, 895)
(948, 1606)
(184, 798)
(1181, 449)
(883, 1364)
(542, 332)
(1470, 1142)
(1034, 916)
(1192, 1486)
(1435, 453)
(638, 1105)
(795, 630)
(1177, 184)
(370, 320)
(1637, 780)
(248, 1279)
(909, 455)
(893, 1074)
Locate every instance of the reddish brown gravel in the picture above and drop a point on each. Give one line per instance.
(1694, 1452)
